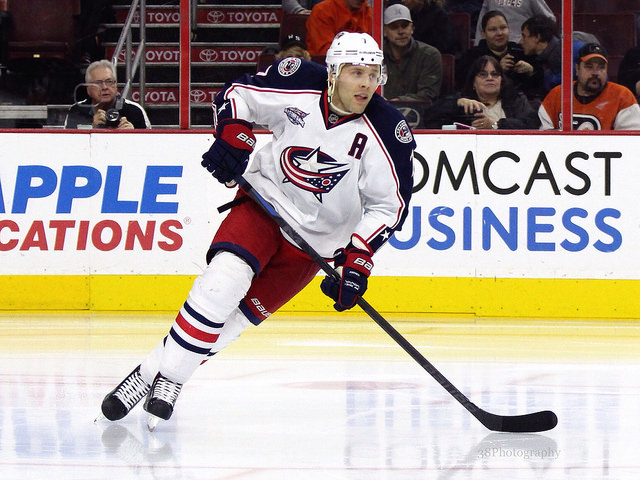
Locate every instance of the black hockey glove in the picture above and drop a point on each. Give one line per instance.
(229, 154)
(354, 266)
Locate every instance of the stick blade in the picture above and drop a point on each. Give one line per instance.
(529, 423)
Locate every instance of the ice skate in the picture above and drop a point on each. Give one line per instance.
(119, 401)
(160, 400)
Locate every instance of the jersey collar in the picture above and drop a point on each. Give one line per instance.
(332, 119)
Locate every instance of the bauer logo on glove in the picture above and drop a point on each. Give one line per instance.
(248, 139)
(354, 264)
(229, 154)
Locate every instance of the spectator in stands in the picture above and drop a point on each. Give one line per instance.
(515, 12)
(432, 25)
(496, 43)
(540, 42)
(597, 103)
(488, 101)
(629, 71)
(105, 108)
(292, 46)
(414, 69)
(330, 17)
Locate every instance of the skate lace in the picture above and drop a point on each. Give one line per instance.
(166, 390)
(132, 389)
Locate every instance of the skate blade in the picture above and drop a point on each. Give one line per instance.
(152, 422)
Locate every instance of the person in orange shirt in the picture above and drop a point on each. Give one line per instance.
(598, 104)
(329, 17)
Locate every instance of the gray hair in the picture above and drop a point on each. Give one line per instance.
(98, 64)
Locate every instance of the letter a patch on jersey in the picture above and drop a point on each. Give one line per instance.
(311, 170)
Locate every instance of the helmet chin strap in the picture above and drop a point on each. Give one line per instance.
(330, 89)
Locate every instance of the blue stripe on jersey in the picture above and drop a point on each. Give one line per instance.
(201, 318)
(186, 345)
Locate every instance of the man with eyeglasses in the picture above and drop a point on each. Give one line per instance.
(105, 108)
(597, 103)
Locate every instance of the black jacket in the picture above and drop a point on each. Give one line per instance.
(522, 81)
(81, 113)
(520, 115)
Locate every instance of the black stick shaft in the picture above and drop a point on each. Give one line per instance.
(534, 422)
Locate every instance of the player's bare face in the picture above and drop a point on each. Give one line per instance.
(355, 86)
(592, 76)
(104, 88)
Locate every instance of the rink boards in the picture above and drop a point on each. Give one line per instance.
(499, 225)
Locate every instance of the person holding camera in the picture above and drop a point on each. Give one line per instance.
(105, 108)
(522, 70)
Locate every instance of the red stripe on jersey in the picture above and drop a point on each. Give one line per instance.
(195, 332)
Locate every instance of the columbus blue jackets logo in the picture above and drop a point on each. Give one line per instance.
(295, 115)
(289, 66)
(311, 170)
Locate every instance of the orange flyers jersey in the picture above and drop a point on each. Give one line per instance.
(614, 109)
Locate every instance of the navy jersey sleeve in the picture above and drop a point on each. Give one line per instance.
(397, 138)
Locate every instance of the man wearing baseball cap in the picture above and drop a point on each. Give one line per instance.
(597, 103)
(414, 69)
(293, 45)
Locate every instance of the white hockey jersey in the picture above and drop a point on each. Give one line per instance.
(328, 176)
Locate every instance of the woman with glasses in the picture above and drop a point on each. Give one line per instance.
(488, 101)
(105, 108)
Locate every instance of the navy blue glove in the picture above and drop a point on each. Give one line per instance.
(229, 154)
(354, 266)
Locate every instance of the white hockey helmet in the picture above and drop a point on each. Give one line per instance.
(357, 49)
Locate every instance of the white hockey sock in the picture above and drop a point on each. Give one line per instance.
(213, 298)
(150, 365)
(233, 327)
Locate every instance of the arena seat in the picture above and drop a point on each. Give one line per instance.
(448, 74)
(42, 29)
(462, 25)
(265, 60)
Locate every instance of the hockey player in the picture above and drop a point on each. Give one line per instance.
(338, 169)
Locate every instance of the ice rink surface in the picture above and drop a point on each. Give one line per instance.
(324, 398)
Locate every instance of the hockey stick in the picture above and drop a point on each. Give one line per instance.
(532, 422)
